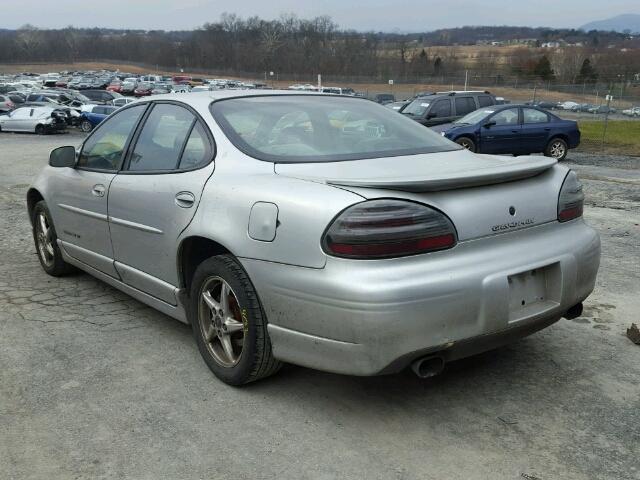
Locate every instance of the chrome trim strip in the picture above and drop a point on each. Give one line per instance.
(137, 226)
(81, 211)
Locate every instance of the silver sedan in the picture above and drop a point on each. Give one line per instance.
(319, 230)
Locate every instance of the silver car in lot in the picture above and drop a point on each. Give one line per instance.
(323, 231)
(38, 120)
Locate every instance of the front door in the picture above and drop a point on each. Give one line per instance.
(79, 199)
(440, 112)
(155, 197)
(501, 133)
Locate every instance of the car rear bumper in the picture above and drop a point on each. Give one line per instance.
(372, 317)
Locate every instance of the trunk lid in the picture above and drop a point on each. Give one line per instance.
(482, 195)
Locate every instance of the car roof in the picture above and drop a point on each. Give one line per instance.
(204, 99)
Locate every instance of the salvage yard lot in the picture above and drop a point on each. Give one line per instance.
(97, 385)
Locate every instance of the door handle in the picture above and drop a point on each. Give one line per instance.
(547, 129)
(98, 190)
(515, 131)
(185, 199)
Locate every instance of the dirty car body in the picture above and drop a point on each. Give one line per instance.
(371, 242)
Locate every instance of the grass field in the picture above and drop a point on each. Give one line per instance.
(622, 137)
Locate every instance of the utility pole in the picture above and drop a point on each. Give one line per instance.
(466, 79)
(606, 119)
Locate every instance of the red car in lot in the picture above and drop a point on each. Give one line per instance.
(115, 87)
(143, 90)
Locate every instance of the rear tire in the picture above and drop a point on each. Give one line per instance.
(466, 143)
(231, 334)
(46, 241)
(557, 148)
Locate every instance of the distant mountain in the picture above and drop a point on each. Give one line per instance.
(621, 23)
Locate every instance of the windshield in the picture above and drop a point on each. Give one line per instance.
(418, 107)
(316, 128)
(474, 117)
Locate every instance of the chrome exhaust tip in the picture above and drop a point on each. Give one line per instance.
(427, 367)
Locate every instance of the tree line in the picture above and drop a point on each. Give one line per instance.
(306, 47)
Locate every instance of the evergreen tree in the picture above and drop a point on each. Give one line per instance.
(543, 69)
(587, 73)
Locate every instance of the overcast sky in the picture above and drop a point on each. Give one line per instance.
(386, 15)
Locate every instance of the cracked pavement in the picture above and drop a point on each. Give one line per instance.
(94, 384)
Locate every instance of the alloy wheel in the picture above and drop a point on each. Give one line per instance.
(221, 322)
(44, 235)
(557, 150)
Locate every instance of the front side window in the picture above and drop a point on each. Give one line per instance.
(103, 150)
(317, 128)
(506, 117)
(465, 105)
(160, 143)
(531, 115)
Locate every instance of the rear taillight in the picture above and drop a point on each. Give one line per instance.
(388, 228)
(571, 198)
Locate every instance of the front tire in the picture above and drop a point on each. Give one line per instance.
(46, 241)
(228, 322)
(557, 148)
(39, 130)
(86, 126)
(467, 143)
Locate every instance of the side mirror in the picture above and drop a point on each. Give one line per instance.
(489, 124)
(63, 157)
(431, 115)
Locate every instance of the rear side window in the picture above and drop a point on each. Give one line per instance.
(103, 150)
(162, 139)
(442, 108)
(485, 101)
(530, 115)
(197, 152)
(465, 105)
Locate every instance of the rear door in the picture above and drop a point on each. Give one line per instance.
(501, 132)
(153, 199)
(535, 130)
(79, 195)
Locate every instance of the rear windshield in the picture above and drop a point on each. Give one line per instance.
(318, 128)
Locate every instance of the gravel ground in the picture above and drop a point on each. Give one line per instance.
(94, 384)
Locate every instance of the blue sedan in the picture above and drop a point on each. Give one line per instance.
(514, 129)
(89, 120)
